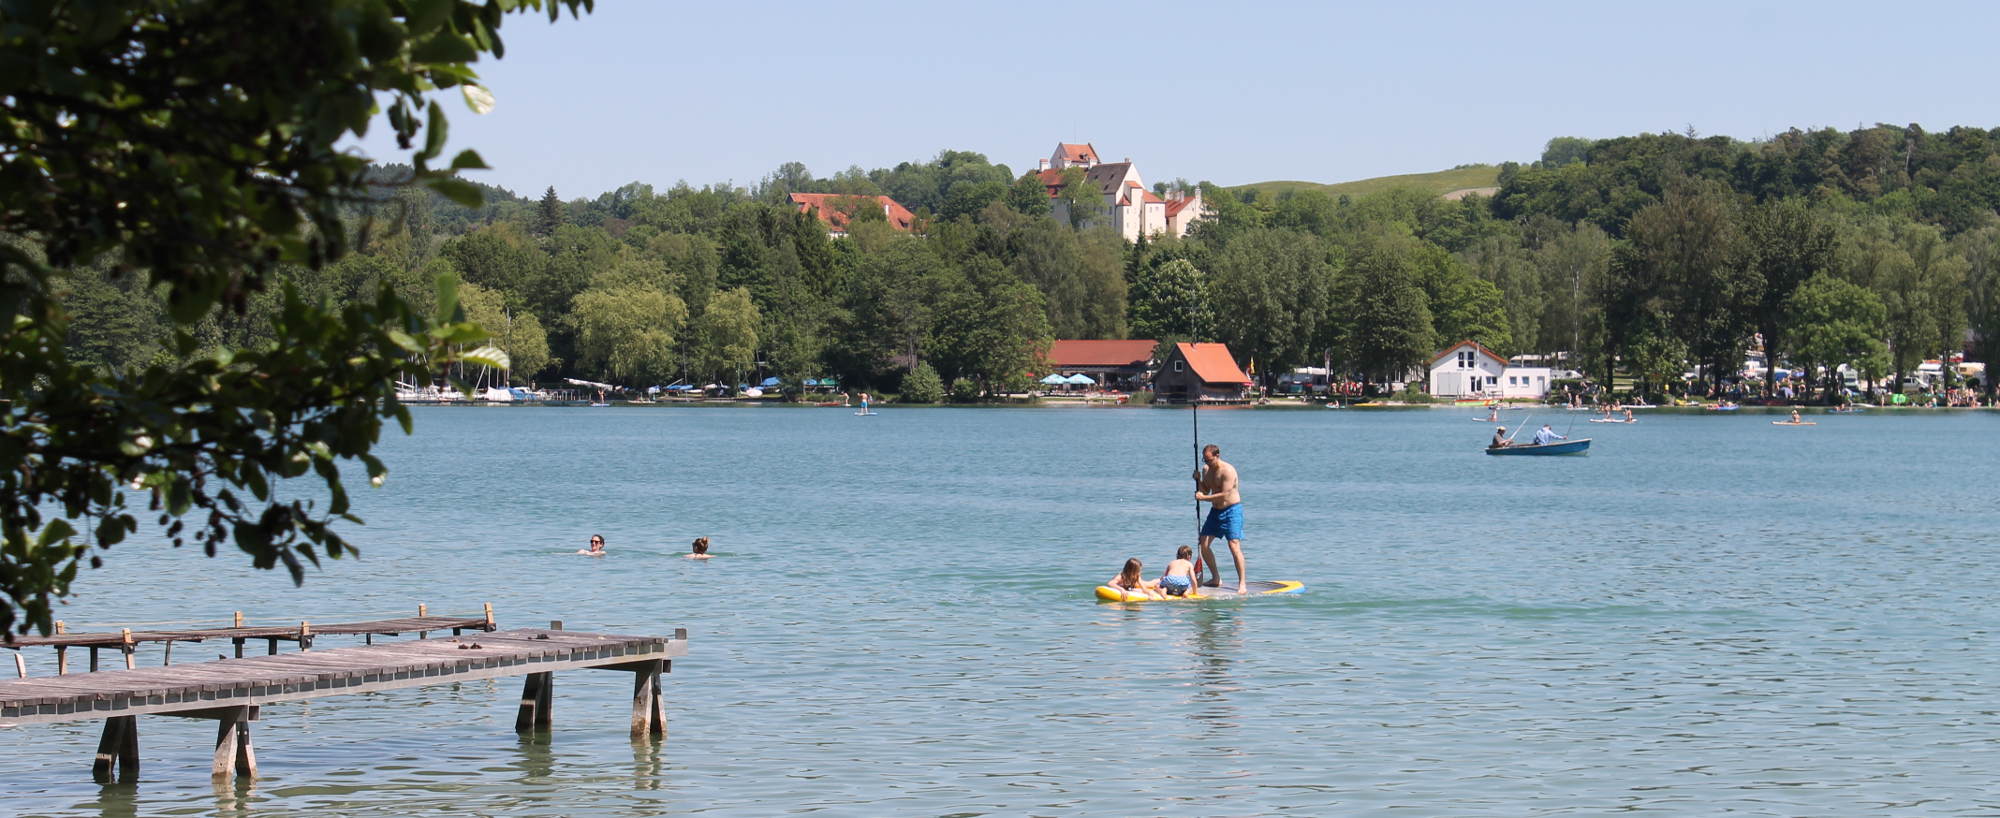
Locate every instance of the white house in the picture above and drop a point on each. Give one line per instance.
(1129, 207)
(1468, 370)
(1526, 382)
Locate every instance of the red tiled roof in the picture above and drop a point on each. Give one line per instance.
(1177, 205)
(817, 204)
(1077, 153)
(1475, 345)
(1153, 199)
(1069, 353)
(1212, 363)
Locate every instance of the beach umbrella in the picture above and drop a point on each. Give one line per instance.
(1055, 379)
(1081, 379)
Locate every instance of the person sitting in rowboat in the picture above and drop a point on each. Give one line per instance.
(1500, 439)
(1545, 435)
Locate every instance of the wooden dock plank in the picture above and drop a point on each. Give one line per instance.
(262, 680)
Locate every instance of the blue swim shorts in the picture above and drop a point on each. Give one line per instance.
(1176, 586)
(1225, 523)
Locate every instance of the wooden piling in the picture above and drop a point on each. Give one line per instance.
(117, 750)
(20, 665)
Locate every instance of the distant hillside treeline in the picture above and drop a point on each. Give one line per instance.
(1874, 247)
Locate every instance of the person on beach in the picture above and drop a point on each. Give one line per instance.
(1499, 439)
(596, 548)
(1545, 435)
(1179, 578)
(700, 549)
(1129, 580)
(1217, 487)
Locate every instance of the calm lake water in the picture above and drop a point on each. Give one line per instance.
(1706, 615)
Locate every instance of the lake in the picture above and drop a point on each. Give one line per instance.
(1706, 614)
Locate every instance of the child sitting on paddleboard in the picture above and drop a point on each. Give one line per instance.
(1179, 578)
(1130, 581)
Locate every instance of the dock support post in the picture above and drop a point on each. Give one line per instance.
(20, 665)
(535, 698)
(117, 750)
(649, 719)
(233, 753)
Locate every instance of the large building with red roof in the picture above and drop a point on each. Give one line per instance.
(1200, 372)
(1118, 364)
(837, 210)
(1129, 207)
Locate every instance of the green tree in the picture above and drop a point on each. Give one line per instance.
(990, 327)
(627, 333)
(549, 214)
(157, 135)
(726, 336)
(1687, 252)
(1171, 301)
(1387, 330)
(517, 332)
(922, 386)
(1981, 251)
(1833, 322)
(1787, 244)
(1272, 292)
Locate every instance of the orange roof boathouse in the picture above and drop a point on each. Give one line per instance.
(1200, 372)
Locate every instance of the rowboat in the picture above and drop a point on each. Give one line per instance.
(1577, 446)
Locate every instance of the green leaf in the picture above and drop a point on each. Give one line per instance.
(447, 298)
(435, 132)
(458, 190)
(468, 160)
(489, 356)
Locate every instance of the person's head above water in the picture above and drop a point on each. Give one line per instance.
(700, 545)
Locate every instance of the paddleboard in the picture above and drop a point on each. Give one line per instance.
(1485, 420)
(866, 414)
(1262, 587)
(1607, 420)
(1789, 423)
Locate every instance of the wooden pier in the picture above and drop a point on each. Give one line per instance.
(232, 690)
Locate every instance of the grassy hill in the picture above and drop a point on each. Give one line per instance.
(1440, 182)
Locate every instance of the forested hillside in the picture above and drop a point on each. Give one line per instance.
(1876, 247)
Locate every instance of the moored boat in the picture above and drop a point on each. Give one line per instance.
(1577, 446)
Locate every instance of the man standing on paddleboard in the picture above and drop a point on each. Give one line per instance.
(1216, 486)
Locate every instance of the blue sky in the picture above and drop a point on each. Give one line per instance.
(1229, 92)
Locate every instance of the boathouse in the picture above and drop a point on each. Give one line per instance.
(1203, 372)
(1467, 370)
(1113, 364)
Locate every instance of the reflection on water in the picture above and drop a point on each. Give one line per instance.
(1698, 618)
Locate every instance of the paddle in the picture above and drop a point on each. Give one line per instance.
(1196, 405)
